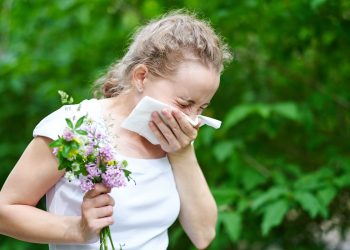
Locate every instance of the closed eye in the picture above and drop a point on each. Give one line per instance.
(184, 105)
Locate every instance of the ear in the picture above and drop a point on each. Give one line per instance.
(139, 74)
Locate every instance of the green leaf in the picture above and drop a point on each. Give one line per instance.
(65, 98)
(223, 150)
(124, 163)
(271, 195)
(288, 110)
(176, 236)
(69, 123)
(70, 100)
(56, 143)
(62, 163)
(243, 205)
(79, 122)
(127, 174)
(263, 110)
(343, 181)
(309, 182)
(225, 195)
(232, 222)
(236, 115)
(81, 132)
(251, 179)
(74, 145)
(273, 215)
(308, 202)
(326, 195)
(61, 167)
(316, 3)
(83, 171)
(239, 113)
(65, 151)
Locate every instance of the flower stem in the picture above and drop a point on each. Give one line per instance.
(101, 239)
(110, 237)
(104, 238)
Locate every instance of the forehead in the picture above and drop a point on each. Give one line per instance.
(195, 80)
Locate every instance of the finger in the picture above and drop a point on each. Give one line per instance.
(104, 222)
(96, 225)
(101, 200)
(181, 137)
(163, 128)
(98, 189)
(157, 133)
(185, 125)
(172, 123)
(102, 212)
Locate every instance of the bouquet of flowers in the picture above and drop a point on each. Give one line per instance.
(84, 152)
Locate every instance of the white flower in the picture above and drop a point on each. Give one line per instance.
(72, 158)
(69, 176)
(75, 166)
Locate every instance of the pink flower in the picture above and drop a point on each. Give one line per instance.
(106, 153)
(86, 184)
(93, 170)
(55, 151)
(113, 177)
(68, 135)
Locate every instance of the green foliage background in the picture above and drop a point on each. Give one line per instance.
(280, 166)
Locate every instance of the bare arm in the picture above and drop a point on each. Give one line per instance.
(34, 174)
(198, 212)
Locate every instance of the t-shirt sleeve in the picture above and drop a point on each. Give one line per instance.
(52, 125)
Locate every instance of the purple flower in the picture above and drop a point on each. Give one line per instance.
(94, 134)
(113, 177)
(93, 170)
(98, 136)
(89, 149)
(86, 184)
(55, 151)
(106, 153)
(68, 135)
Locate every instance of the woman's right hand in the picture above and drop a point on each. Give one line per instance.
(96, 212)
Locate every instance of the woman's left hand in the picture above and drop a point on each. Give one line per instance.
(177, 134)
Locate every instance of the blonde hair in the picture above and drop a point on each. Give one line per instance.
(161, 45)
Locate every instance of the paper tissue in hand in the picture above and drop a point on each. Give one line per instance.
(138, 119)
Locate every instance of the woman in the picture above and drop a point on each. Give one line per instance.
(177, 60)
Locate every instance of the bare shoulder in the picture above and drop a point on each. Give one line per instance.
(33, 175)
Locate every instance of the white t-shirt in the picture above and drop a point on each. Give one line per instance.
(142, 212)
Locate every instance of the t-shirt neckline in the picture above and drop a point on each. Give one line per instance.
(100, 118)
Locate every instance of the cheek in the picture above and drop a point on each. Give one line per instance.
(159, 90)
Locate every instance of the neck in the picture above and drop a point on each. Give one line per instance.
(116, 109)
(120, 106)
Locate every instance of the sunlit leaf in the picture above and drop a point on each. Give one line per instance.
(269, 196)
(233, 223)
(223, 150)
(273, 215)
(69, 123)
(288, 110)
(308, 202)
(327, 195)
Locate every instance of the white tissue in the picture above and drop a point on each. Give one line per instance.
(138, 119)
